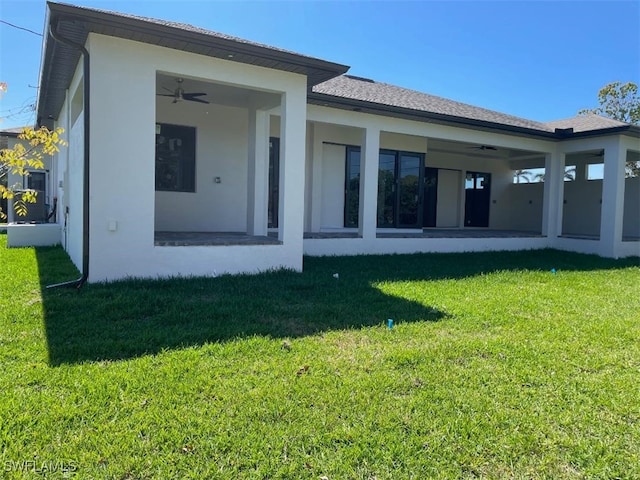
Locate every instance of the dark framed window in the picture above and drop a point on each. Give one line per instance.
(274, 181)
(175, 158)
(400, 192)
(352, 187)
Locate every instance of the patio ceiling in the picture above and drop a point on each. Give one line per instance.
(217, 93)
(485, 151)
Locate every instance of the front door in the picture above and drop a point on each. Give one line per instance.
(477, 199)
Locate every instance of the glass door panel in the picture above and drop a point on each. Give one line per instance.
(409, 190)
(387, 189)
(274, 181)
(352, 187)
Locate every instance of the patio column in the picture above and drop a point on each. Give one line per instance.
(612, 199)
(293, 126)
(316, 179)
(553, 197)
(258, 172)
(369, 164)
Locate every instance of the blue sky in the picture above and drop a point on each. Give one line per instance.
(541, 60)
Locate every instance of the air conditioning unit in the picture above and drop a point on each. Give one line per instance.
(36, 212)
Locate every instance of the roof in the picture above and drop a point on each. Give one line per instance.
(586, 123)
(329, 85)
(369, 92)
(11, 132)
(75, 23)
(366, 95)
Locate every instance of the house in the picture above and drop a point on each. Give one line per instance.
(24, 230)
(196, 153)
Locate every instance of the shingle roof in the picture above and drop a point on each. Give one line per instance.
(183, 27)
(354, 88)
(586, 123)
(74, 23)
(11, 132)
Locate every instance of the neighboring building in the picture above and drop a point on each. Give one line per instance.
(38, 180)
(209, 154)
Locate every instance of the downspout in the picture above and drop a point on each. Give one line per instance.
(78, 283)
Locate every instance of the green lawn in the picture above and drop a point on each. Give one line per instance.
(496, 368)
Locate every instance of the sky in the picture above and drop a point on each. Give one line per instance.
(538, 59)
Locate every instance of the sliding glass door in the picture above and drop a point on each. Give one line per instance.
(399, 192)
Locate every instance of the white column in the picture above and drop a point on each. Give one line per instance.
(612, 199)
(292, 166)
(258, 172)
(462, 203)
(369, 164)
(553, 197)
(316, 179)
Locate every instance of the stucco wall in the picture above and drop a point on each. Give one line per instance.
(221, 151)
(631, 216)
(123, 163)
(448, 201)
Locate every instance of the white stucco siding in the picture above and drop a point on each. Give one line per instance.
(335, 116)
(72, 206)
(525, 206)
(221, 151)
(384, 246)
(123, 197)
(333, 176)
(448, 198)
(631, 218)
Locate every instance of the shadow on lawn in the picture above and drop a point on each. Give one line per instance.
(132, 318)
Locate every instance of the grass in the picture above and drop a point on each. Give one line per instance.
(495, 368)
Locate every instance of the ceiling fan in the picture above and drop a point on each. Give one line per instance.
(179, 94)
(484, 147)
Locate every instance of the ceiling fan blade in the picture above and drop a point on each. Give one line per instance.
(165, 95)
(193, 94)
(194, 99)
(168, 89)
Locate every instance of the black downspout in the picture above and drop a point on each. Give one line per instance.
(85, 193)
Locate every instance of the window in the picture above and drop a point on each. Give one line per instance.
(352, 187)
(570, 173)
(530, 175)
(595, 171)
(274, 182)
(175, 158)
(537, 175)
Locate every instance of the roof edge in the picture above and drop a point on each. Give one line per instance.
(66, 11)
(411, 114)
(323, 99)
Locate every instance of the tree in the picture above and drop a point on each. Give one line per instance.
(621, 102)
(19, 159)
(519, 175)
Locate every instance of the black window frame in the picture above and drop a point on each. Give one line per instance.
(185, 158)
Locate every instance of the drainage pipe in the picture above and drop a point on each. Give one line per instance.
(78, 283)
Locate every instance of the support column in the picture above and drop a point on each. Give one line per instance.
(316, 179)
(612, 199)
(462, 195)
(369, 164)
(553, 197)
(293, 126)
(258, 172)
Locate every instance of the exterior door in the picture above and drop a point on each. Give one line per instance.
(399, 189)
(477, 199)
(430, 205)
(352, 187)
